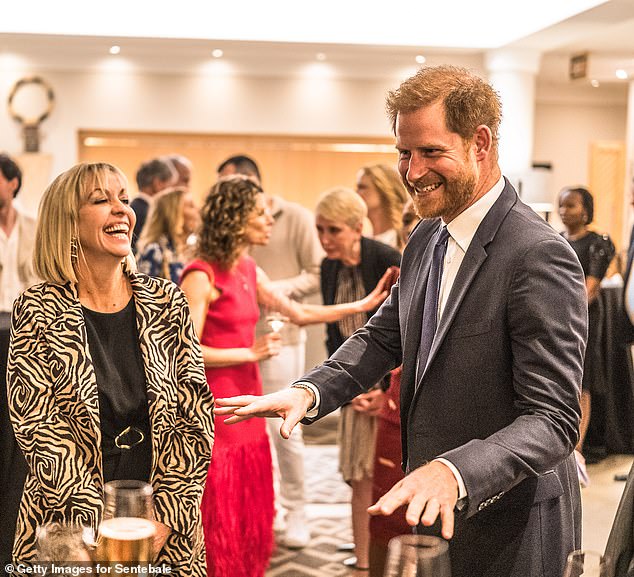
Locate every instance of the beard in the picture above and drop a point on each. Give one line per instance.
(457, 192)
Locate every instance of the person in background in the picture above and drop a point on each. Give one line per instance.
(105, 377)
(17, 239)
(489, 320)
(352, 267)
(224, 287)
(595, 252)
(291, 260)
(628, 285)
(388, 456)
(381, 189)
(162, 248)
(151, 178)
(183, 167)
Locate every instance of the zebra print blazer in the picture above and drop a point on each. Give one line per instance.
(54, 410)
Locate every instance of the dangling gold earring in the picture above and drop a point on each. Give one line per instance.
(74, 249)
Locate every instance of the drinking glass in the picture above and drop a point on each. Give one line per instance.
(585, 563)
(65, 544)
(275, 321)
(127, 531)
(417, 556)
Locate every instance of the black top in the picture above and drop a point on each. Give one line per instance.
(595, 251)
(376, 258)
(123, 403)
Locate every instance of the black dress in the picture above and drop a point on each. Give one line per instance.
(595, 252)
(123, 404)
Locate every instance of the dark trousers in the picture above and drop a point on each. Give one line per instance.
(12, 464)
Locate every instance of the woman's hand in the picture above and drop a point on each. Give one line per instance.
(266, 346)
(380, 291)
(162, 532)
(370, 403)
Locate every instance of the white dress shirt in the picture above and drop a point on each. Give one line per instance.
(461, 230)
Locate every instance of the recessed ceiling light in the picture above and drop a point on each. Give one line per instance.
(115, 49)
(320, 56)
(595, 83)
(620, 73)
(420, 59)
(217, 53)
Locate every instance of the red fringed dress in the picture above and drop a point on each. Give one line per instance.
(238, 503)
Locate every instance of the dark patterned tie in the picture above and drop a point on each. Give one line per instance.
(430, 310)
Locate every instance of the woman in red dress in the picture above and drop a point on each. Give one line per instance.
(224, 287)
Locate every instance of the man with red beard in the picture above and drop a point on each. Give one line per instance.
(489, 321)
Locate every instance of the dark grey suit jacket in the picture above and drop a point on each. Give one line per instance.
(500, 395)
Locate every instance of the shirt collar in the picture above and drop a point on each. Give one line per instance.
(463, 228)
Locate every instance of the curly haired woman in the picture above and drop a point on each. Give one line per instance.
(224, 288)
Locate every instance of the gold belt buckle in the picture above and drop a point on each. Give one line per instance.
(120, 439)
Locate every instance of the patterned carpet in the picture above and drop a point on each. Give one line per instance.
(327, 494)
(323, 482)
(320, 558)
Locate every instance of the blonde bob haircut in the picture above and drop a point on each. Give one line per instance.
(58, 219)
(342, 204)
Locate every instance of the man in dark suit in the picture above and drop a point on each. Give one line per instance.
(490, 398)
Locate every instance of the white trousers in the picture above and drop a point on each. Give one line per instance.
(278, 373)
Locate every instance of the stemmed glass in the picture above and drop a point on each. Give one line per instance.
(275, 321)
(585, 563)
(417, 556)
(127, 531)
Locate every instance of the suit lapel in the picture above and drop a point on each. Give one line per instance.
(412, 307)
(473, 260)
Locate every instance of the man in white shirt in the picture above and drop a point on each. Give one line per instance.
(17, 237)
(490, 389)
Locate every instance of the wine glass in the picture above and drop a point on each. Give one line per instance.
(127, 531)
(417, 556)
(585, 563)
(275, 321)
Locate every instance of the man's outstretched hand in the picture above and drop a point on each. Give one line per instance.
(429, 491)
(291, 404)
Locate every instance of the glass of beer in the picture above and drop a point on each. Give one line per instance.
(126, 534)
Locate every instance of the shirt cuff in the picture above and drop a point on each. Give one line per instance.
(462, 489)
(314, 410)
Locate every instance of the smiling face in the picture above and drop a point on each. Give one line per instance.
(106, 221)
(259, 223)
(438, 168)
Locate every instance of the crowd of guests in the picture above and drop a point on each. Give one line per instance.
(88, 216)
(132, 313)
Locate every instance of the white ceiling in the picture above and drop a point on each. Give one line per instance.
(368, 39)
